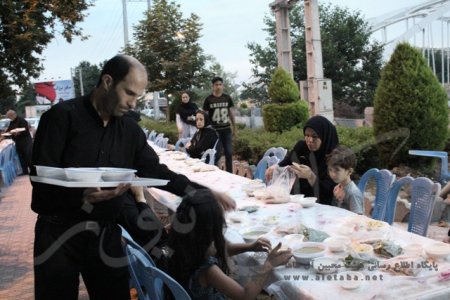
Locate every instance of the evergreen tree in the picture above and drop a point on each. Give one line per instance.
(410, 108)
(168, 45)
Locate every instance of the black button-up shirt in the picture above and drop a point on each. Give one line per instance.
(72, 134)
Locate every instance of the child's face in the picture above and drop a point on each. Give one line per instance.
(339, 174)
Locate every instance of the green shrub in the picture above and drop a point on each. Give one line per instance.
(362, 141)
(282, 88)
(168, 128)
(278, 117)
(410, 110)
(243, 105)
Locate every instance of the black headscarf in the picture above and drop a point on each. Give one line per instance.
(327, 134)
(207, 126)
(186, 110)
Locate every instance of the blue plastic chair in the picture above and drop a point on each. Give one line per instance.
(383, 181)
(263, 164)
(146, 278)
(161, 142)
(4, 170)
(423, 194)
(152, 136)
(392, 197)
(211, 154)
(182, 143)
(443, 156)
(278, 152)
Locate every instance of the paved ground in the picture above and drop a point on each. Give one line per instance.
(16, 242)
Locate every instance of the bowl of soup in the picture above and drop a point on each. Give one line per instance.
(305, 252)
(251, 234)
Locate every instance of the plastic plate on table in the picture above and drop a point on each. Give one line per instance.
(352, 280)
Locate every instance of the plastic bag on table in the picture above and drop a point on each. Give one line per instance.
(280, 188)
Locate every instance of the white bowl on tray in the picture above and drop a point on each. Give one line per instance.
(117, 174)
(84, 174)
(50, 172)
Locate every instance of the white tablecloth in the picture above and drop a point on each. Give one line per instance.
(382, 285)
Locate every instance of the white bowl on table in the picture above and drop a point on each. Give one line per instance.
(84, 174)
(308, 201)
(326, 265)
(117, 174)
(251, 234)
(305, 252)
(50, 172)
(437, 250)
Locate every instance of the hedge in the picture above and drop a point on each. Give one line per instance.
(278, 118)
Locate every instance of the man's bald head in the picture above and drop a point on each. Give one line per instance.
(10, 114)
(119, 66)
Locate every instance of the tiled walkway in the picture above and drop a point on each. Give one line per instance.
(16, 242)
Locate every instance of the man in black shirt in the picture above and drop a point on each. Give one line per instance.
(76, 231)
(22, 139)
(221, 111)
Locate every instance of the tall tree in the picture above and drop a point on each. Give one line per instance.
(168, 45)
(26, 27)
(89, 75)
(349, 58)
(410, 109)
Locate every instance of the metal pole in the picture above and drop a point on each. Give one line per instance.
(423, 42)
(448, 53)
(414, 25)
(149, 4)
(432, 50)
(442, 54)
(125, 22)
(81, 82)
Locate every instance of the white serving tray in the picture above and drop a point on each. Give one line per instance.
(87, 184)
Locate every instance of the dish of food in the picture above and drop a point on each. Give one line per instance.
(253, 233)
(306, 251)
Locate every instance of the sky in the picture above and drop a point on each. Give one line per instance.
(228, 25)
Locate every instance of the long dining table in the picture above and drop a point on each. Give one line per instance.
(430, 280)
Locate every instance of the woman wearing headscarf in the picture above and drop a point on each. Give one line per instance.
(205, 138)
(310, 156)
(185, 117)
